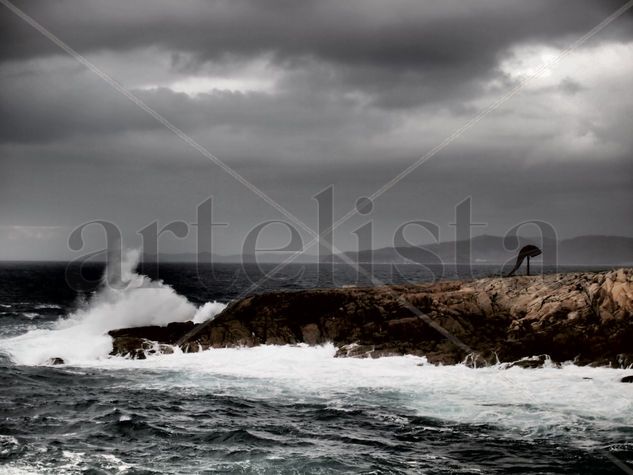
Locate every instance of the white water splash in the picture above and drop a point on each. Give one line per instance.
(208, 311)
(132, 300)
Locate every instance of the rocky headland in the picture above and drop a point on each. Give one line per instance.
(582, 317)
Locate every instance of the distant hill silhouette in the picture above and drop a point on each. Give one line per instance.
(485, 249)
(582, 250)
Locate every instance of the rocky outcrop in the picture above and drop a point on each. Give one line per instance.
(582, 317)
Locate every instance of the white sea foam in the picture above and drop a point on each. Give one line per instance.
(131, 301)
(12, 470)
(47, 305)
(530, 402)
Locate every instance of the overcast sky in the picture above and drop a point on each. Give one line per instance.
(299, 95)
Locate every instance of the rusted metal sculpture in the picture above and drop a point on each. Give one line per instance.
(526, 251)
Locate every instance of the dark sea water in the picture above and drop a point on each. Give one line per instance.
(272, 409)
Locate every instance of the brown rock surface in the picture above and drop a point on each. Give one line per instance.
(586, 317)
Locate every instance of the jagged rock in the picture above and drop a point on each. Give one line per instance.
(138, 348)
(364, 351)
(56, 361)
(134, 347)
(138, 342)
(627, 379)
(169, 334)
(581, 317)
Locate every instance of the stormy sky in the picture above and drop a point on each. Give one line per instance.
(299, 95)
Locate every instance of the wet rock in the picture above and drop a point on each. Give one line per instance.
(56, 361)
(168, 334)
(311, 334)
(131, 346)
(531, 362)
(138, 348)
(159, 349)
(138, 342)
(627, 379)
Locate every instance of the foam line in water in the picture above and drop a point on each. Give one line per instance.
(132, 300)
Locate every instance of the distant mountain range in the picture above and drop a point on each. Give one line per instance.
(485, 249)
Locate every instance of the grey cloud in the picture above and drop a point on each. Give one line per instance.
(402, 54)
(569, 86)
(132, 190)
(400, 33)
(363, 89)
(40, 108)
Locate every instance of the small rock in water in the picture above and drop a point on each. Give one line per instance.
(530, 363)
(56, 361)
(627, 379)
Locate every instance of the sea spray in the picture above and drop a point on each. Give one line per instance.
(208, 311)
(129, 300)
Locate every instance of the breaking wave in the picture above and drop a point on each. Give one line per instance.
(129, 300)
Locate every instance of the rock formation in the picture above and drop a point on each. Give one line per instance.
(139, 341)
(582, 317)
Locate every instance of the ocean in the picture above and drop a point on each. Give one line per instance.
(286, 409)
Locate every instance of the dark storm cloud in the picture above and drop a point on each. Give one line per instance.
(48, 108)
(39, 107)
(398, 33)
(402, 53)
(358, 91)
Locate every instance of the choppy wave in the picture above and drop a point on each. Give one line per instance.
(47, 305)
(30, 315)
